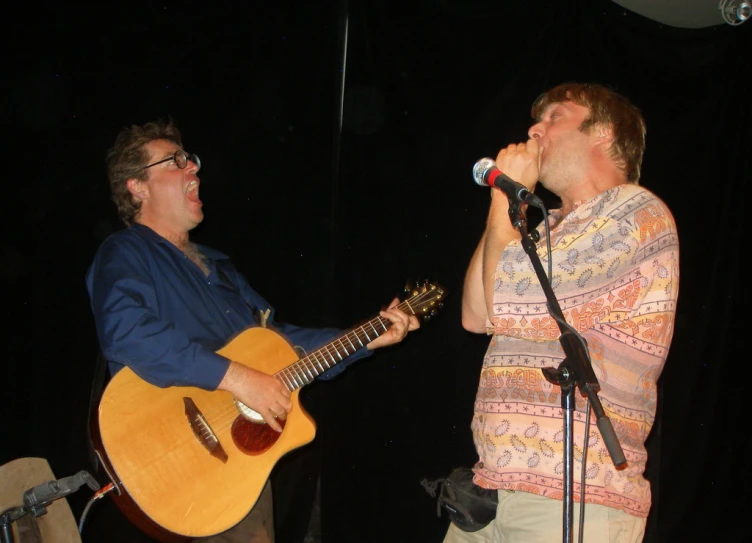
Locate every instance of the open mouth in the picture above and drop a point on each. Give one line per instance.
(191, 191)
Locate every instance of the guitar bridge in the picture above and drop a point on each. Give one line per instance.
(203, 431)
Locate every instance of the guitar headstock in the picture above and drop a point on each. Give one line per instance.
(425, 298)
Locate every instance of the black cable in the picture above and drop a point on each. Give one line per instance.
(584, 470)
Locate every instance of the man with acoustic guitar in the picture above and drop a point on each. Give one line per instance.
(164, 306)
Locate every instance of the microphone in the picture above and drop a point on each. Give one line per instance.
(487, 174)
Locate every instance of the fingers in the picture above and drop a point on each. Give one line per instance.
(273, 416)
(515, 152)
(398, 330)
(413, 322)
(520, 162)
(272, 422)
(279, 407)
(266, 395)
(399, 319)
(402, 323)
(275, 413)
(511, 150)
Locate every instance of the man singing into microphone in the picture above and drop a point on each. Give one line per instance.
(615, 261)
(164, 305)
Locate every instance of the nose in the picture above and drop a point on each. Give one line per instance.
(194, 164)
(536, 131)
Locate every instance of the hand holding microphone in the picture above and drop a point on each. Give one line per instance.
(521, 162)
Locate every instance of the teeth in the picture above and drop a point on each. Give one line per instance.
(192, 185)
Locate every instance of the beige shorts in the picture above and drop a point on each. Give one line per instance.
(522, 517)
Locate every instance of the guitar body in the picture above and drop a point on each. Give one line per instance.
(164, 468)
(190, 463)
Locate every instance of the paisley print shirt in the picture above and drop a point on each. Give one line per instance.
(616, 277)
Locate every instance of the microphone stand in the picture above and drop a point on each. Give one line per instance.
(575, 369)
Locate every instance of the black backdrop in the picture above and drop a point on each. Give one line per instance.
(328, 223)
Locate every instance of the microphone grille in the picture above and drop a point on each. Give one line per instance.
(481, 168)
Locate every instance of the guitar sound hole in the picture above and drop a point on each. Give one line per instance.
(254, 438)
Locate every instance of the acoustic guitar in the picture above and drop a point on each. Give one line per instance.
(189, 463)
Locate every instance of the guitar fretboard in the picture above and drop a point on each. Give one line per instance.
(305, 370)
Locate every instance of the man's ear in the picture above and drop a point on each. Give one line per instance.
(603, 134)
(138, 189)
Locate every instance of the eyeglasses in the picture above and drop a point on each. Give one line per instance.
(180, 158)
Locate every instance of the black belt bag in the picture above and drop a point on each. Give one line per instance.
(470, 506)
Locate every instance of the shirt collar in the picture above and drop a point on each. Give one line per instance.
(146, 232)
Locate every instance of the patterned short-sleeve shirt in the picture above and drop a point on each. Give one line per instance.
(615, 262)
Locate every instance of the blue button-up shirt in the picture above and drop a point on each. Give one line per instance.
(158, 313)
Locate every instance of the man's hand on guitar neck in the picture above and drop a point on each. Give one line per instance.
(402, 323)
(263, 393)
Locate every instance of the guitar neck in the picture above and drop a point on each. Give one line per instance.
(306, 369)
